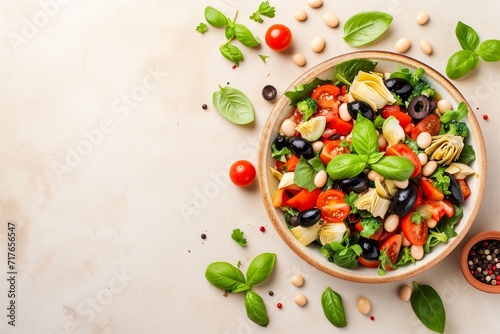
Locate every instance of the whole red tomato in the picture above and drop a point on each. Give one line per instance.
(278, 37)
(242, 173)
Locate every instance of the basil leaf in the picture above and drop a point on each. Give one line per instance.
(260, 268)
(394, 168)
(215, 18)
(347, 70)
(244, 35)
(256, 309)
(225, 276)
(467, 37)
(363, 28)
(490, 50)
(455, 115)
(374, 157)
(229, 32)
(333, 308)
(232, 53)
(304, 174)
(345, 166)
(461, 63)
(303, 91)
(364, 137)
(233, 105)
(467, 154)
(317, 164)
(348, 257)
(428, 307)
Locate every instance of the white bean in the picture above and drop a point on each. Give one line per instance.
(402, 45)
(443, 106)
(426, 47)
(422, 157)
(381, 140)
(317, 145)
(401, 184)
(344, 113)
(424, 139)
(422, 18)
(297, 280)
(288, 128)
(300, 300)
(300, 15)
(331, 20)
(364, 305)
(417, 252)
(431, 223)
(405, 242)
(373, 175)
(391, 222)
(320, 179)
(429, 168)
(318, 44)
(299, 59)
(315, 3)
(405, 293)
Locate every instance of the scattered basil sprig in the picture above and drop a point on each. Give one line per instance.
(265, 9)
(467, 59)
(366, 27)
(347, 70)
(201, 28)
(428, 307)
(227, 277)
(333, 308)
(233, 105)
(237, 235)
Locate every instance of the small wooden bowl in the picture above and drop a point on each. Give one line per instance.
(487, 235)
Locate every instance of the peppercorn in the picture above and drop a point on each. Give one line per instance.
(483, 261)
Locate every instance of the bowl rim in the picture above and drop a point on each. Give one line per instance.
(283, 101)
(486, 235)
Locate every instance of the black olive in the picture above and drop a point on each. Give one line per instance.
(419, 107)
(404, 200)
(358, 184)
(294, 221)
(281, 142)
(309, 217)
(399, 86)
(302, 147)
(364, 108)
(269, 92)
(370, 248)
(456, 195)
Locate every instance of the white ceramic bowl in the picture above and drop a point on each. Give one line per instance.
(387, 61)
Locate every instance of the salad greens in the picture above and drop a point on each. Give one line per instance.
(366, 27)
(233, 105)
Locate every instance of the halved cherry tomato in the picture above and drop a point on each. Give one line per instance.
(415, 233)
(304, 200)
(343, 128)
(332, 205)
(429, 191)
(404, 151)
(368, 263)
(429, 123)
(326, 95)
(332, 149)
(392, 247)
(292, 162)
(394, 110)
(465, 188)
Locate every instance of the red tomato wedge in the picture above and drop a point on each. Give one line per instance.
(326, 95)
(404, 151)
(415, 233)
(331, 150)
(304, 200)
(429, 191)
(465, 188)
(394, 110)
(332, 205)
(392, 246)
(430, 123)
(368, 263)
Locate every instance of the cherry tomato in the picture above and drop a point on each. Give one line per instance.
(343, 128)
(242, 173)
(392, 246)
(326, 95)
(394, 110)
(429, 123)
(332, 205)
(415, 233)
(429, 191)
(304, 200)
(332, 149)
(404, 151)
(368, 263)
(278, 37)
(465, 188)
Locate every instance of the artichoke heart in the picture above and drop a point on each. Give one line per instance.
(372, 202)
(459, 170)
(286, 180)
(371, 89)
(392, 131)
(276, 173)
(445, 149)
(306, 235)
(313, 128)
(332, 232)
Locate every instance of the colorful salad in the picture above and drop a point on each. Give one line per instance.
(372, 166)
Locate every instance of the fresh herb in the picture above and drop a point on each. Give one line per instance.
(244, 35)
(350, 199)
(265, 9)
(433, 239)
(333, 308)
(232, 53)
(467, 59)
(405, 257)
(280, 154)
(260, 268)
(303, 91)
(455, 115)
(428, 307)
(226, 277)
(370, 226)
(306, 170)
(385, 262)
(202, 28)
(347, 70)
(233, 105)
(468, 154)
(256, 309)
(441, 181)
(264, 58)
(366, 27)
(447, 224)
(215, 18)
(412, 144)
(237, 236)
(343, 254)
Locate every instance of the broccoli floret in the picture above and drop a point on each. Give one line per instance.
(307, 107)
(441, 180)
(421, 87)
(456, 128)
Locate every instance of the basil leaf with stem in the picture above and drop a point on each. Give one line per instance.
(363, 28)
(467, 37)
(233, 105)
(226, 277)
(364, 137)
(232, 53)
(345, 166)
(489, 50)
(461, 63)
(428, 307)
(260, 268)
(333, 308)
(347, 70)
(244, 35)
(265, 9)
(394, 168)
(215, 18)
(256, 309)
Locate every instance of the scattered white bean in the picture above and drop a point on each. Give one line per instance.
(318, 44)
(417, 252)
(317, 145)
(423, 158)
(405, 242)
(297, 280)
(426, 47)
(381, 140)
(373, 175)
(288, 128)
(299, 59)
(315, 3)
(300, 15)
(443, 106)
(402, 45)
(429, 168)
(405, 293)
(364, 305)
(422, 18)
(320, 179)
(431, 223)
(424, 139)
(344, 113)
(391, 222)
(401, 184)
(300, 300)
(331, 20)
